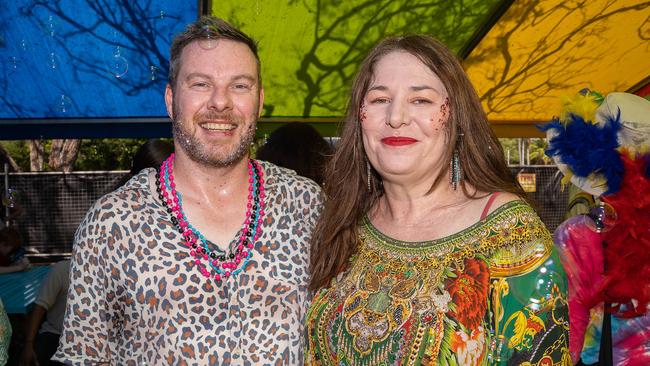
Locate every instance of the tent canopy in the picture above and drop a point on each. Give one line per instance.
(521, 56)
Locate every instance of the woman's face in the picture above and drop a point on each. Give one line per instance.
(403, 117)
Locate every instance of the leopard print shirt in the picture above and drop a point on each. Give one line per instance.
(136, 297)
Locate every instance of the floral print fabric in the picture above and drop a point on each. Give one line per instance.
(494, 294)
(5, 335)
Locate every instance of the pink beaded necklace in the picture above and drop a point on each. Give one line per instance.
(213, 263)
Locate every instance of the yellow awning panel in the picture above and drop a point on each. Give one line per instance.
(540, 51)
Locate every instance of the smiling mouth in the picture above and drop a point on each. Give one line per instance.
(398, 141)
(214, 126)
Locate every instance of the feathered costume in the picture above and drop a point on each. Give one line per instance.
(604, 262)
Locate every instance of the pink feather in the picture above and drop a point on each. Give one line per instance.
(581, 253)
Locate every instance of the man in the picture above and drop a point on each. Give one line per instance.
(164, 271)
(47, 315)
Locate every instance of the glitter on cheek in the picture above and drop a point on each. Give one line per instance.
(362, 112)
(444, 111)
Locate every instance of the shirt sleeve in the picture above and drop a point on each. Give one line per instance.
(91, 319)
(529, 322)
(51, 286)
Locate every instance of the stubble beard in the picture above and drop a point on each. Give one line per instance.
(204, 155)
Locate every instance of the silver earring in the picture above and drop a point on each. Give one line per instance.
(455, 170)
(369, 173)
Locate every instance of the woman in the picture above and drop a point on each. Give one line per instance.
(427, 252)
(5, 335)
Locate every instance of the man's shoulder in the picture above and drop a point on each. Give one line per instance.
(278, 176)
(134, 191)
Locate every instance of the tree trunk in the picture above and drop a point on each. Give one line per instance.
(36, 155)
(6, 158)
(63, 154)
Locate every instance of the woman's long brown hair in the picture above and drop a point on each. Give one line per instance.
(482, 161)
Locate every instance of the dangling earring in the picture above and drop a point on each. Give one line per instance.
(369, 173)
(455, 171)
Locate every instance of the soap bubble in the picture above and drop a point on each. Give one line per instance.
(9, 198)
(210, 38)
(13, 63)
(153, 70)
(601, 218)
(53, 61)
(118, 65)
(537, 287)
(64, 103)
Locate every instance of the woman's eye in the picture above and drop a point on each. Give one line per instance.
(379, 101)
(421, 101)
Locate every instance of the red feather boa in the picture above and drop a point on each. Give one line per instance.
(627, 251)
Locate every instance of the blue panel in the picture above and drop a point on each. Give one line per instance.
(87, 59)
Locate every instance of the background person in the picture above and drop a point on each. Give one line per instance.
(426, 252)
(299, 147)
(12, 253)
(149, 155)
(47, 315)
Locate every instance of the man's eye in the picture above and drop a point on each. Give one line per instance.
(241, 86)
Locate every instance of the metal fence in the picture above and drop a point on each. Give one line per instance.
(53, 204)
(550, 199)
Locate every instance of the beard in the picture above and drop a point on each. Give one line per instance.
(210, 155)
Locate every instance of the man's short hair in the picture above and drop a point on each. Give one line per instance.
(207, 28)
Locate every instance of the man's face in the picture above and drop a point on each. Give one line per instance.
(216, 102)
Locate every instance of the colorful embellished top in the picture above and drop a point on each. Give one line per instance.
(5, 335)
(492, 294)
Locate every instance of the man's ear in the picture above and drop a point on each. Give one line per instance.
(169, 101)
(261, 106)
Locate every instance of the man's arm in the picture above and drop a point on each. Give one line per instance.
(22, 265)
(89, 324)
(36, 317)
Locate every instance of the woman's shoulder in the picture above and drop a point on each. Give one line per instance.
(523, 240)
(504, 204)
(495, 200)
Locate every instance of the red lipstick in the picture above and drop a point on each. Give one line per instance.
(398, 141)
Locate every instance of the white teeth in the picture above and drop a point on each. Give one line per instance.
(218, 126)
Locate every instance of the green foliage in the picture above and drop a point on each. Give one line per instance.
(19, 151)
(97, 154)
(107, 154)
(535, 146)
(537, 152)
(510, 150)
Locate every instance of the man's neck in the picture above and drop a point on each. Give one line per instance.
(209, 183)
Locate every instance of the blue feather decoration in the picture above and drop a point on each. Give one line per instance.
(588, 148)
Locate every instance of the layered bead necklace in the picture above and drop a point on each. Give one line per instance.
(215, 263)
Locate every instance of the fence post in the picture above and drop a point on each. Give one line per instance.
(6, 194)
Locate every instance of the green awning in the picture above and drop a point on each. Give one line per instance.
(522, 56)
